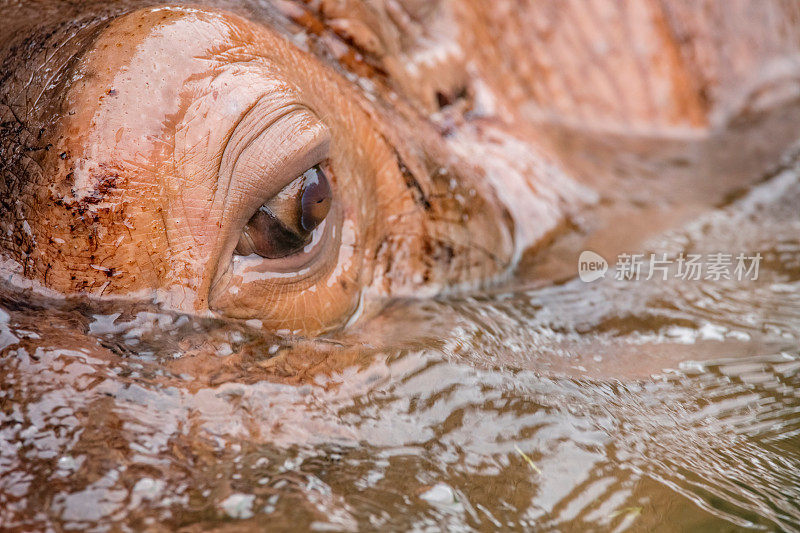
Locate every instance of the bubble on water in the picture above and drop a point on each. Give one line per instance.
(6, 337)
(440, 494)
(713, 332)
(271, 503)
(146, 489)
(239, 505)
(739, 335)
(67, 462)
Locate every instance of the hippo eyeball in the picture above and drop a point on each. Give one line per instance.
(283, 225)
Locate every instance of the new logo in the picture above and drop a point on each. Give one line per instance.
(591, 266)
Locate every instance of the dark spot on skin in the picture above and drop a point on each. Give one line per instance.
(444, 253)
(413, 184)
(105, 184)
(63, 155)
(447, 127)
(428, 248)
(680, 162)
(445, 99)
(112, 92)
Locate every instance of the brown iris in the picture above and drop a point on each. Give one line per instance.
(284, 225)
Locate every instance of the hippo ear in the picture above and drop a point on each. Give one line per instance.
(411, 44)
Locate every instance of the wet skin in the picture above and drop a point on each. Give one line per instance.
(189, 155)
(168, 131)
(294, 166)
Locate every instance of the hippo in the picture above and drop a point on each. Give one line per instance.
(313, 264)
(299, 163)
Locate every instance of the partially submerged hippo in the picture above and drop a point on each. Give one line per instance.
(298, 162)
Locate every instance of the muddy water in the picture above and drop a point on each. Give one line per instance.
(605, 405)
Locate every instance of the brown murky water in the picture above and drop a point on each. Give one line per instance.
(646, 405)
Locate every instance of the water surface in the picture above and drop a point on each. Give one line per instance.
(613, 405)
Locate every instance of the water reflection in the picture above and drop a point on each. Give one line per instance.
(607, 405)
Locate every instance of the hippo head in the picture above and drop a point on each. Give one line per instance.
(299, 163)
(205, 160)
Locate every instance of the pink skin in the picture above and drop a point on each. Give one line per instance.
(181, 123)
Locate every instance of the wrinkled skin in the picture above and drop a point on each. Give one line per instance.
(137, 141)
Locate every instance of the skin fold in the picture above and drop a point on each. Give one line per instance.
(138, 138)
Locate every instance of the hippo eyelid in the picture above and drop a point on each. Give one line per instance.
(256, 129)
(278, 156)
(273, 143)
(257, 120)
(269, 147)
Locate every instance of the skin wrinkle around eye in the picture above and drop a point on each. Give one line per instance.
(205, 132)
(174, 184)
(196, 140)
(273, 142)
(308, 145)
(262, 116)
(267, 163)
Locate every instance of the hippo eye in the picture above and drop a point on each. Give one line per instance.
(285, 224)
